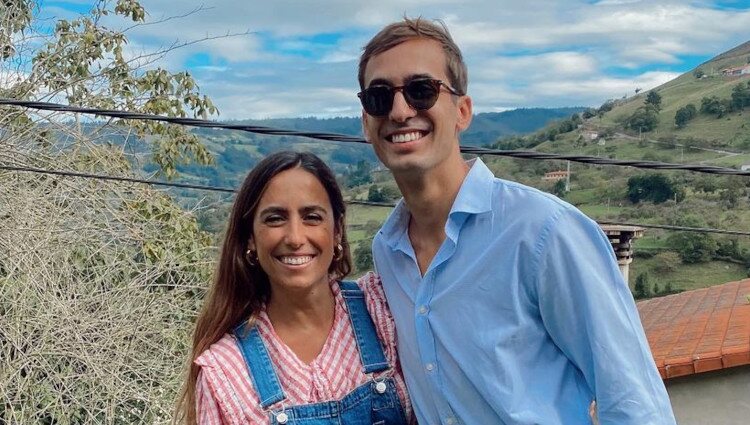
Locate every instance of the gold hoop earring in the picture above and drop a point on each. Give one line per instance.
(251, 257)
(338, 252)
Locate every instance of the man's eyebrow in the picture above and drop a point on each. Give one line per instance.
(384, 82)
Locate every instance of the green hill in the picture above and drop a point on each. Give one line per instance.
(692, 87)
(678, 261)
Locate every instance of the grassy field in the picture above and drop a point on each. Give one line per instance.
(688, 276)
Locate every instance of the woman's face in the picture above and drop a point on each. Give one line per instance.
(294, 231)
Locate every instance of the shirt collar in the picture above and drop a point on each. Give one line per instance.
(475, 194)
(474, 197)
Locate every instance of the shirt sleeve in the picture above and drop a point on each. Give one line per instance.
(207, 408)
(590, 314)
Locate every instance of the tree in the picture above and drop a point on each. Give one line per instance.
(685, 114)
(656, 188)
(642, 288)
(740, 96)
(359, 174)
(643, 119)
(100, 279)
(693, 247)
(374, 194)
(559, 188)
(605, 107)
(698, 73)
(363, 255)
(714, 105)
(653, 98)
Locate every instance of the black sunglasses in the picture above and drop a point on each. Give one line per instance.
(420, 94)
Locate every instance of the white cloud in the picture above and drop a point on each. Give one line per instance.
(299, 57)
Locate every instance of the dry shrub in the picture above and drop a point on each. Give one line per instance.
(99, 285)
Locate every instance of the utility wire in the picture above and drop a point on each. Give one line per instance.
(356, 202)
(195, 122)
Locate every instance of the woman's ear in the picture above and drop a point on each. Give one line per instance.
(251, 244)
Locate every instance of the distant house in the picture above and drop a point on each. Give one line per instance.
(736, 71)
(745, 167)
(555, 175)
(700, 341)
(590, 135)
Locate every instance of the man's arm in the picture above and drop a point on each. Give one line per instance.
(590, 314)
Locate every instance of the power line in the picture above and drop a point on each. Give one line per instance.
(356, 202)
(195, 122)
(115, 178)
(679, 228)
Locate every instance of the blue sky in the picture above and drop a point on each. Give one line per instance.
(290, 58)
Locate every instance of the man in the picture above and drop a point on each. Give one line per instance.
(508, 302)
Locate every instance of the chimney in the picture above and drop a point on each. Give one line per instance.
(620, 237)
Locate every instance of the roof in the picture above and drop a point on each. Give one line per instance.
(700, 330)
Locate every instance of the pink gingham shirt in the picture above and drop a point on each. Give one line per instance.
(225, 393)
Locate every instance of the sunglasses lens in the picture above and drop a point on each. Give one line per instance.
(377, 100)
(422, 94)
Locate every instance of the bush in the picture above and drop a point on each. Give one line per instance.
(653, 99)
(685, 114)
(693, 247)
(643, 119)
(667, 262)
(642, 288)
(656, 188)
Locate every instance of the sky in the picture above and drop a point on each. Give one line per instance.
(287, 58)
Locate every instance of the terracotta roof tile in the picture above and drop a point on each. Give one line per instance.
(699, 331)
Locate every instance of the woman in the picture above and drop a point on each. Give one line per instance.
(280, 339)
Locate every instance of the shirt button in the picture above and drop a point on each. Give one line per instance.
(423, 309)
(429, 367)
(451, 421)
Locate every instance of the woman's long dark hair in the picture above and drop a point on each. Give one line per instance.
(239, 288)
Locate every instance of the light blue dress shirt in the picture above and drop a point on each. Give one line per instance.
(521, 318)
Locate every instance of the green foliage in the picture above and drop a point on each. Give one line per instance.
(667, 262)
(685, 114)
(642, 288)
(84, 62)
(99, 289)
(363, 256)
(740, 96)
(559, 188)
(656, 188)
(374, 194)
(16, 16)
(605, 107)
(693, 247)
(358, 175)
(653, 98)
(644, 119)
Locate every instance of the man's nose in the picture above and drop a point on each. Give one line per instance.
(401, 110)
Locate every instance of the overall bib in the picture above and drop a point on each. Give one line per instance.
(373, 403)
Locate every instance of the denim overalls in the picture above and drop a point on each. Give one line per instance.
(375, 402)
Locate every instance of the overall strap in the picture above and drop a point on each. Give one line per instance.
(370, 350)
(259, 365)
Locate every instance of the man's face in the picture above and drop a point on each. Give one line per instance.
(406, 140)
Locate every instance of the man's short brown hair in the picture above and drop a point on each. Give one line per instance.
(408, 29)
